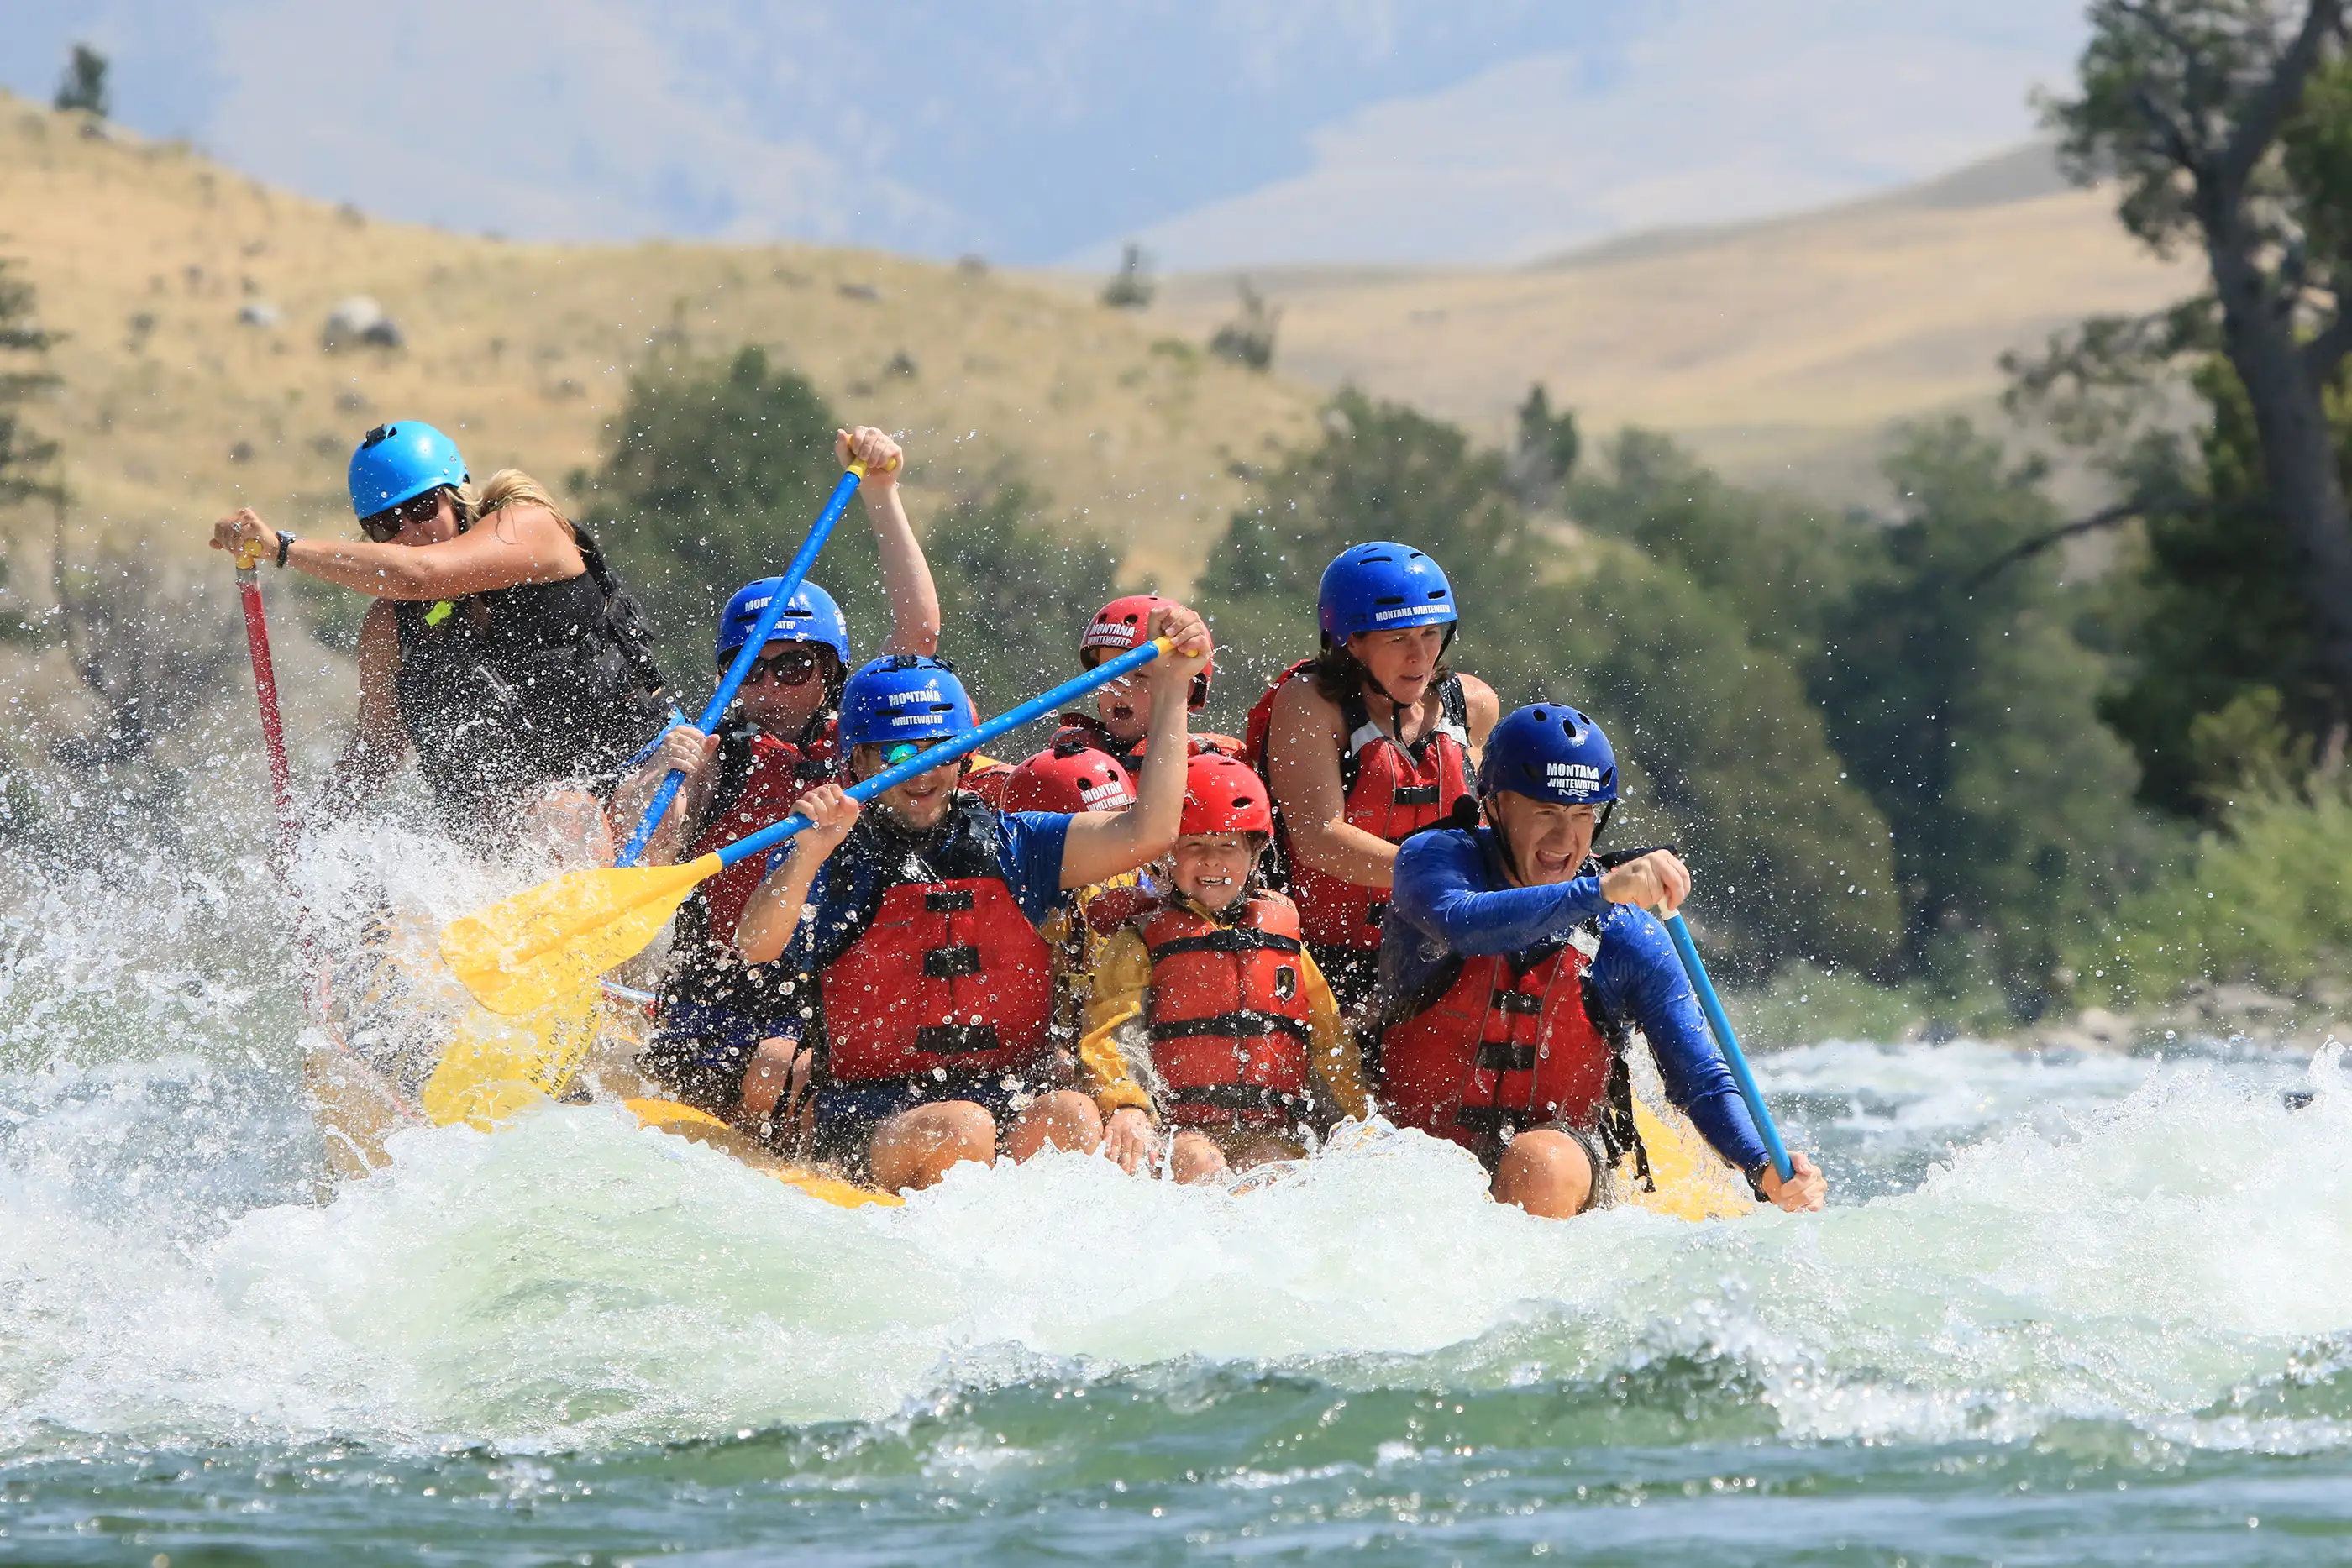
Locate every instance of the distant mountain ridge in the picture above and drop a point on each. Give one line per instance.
(2024, 173)
(1782, 348)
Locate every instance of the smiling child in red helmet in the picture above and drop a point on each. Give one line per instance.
(1218, 995)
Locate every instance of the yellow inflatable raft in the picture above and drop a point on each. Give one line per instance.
(497, 1066)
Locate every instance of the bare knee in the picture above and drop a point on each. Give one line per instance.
(915, 1148)
(1193, 1156)
(1546, 1173)
(1064, 1119)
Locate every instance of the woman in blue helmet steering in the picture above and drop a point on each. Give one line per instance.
(500, 650)
(1515, 967)
(1367, 742)
(777, 740)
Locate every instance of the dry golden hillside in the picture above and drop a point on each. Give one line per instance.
(1779, 348)
(173, 412)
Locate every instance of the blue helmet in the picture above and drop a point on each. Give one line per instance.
(397, 462)
(810, 617)
(1380, 588)
(904, 697)
(1550, 752)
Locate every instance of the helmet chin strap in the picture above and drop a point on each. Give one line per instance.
(1396, 708)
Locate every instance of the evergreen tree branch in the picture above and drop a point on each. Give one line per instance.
(2105, 518)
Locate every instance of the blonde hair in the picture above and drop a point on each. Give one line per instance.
(507, 487)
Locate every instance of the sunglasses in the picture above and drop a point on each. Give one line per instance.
(792, 667)
(384, 526)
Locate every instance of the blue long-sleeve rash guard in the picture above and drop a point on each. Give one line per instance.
(1450, 896)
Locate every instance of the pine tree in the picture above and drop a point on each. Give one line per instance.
(83, 86)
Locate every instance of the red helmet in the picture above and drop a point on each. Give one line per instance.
(1224, 794)
(1115, 628)
(1069, 778)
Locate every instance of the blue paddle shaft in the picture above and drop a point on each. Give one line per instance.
(1712, 1005)
(946, 751)
(745, 656)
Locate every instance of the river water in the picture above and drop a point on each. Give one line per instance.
(2063, 1310)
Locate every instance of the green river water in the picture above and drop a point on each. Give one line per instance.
(2062, 1311)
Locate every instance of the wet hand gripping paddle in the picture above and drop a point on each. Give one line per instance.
(1712, 1005)
(745, 656)
(524, 954)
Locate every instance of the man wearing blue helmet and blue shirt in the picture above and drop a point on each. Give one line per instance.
(908, 930)
(500, 649)
(775, 742)
(1363, 745)
(1515, 968)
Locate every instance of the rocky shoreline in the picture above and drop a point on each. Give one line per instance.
(2208, 1012)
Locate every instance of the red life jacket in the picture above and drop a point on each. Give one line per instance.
(1086, 729)
(946, 975)
(1227, 1012)
(1500, 1051)
(773, 774)
(1393, 792)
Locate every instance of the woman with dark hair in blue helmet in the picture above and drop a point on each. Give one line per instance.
(908, 932)
(776, 741)
(1515, 968)
(1363, 745)
(501, 648)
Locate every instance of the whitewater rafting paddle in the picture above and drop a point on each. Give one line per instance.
(356, 1109)
(522, 954)
(748, 654)
(1712, 1005)
(273, 727)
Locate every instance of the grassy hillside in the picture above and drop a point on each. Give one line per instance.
(172, 410)
(1780, 349)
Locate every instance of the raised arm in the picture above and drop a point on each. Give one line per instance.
(905, 574)
(1104, 844)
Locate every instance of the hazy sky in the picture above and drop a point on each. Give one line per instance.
(1222, 131)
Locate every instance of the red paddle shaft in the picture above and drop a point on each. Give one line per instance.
(273, 728)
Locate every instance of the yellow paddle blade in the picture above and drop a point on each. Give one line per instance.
(1692, 1183)
(522, 955)
(496, 1066)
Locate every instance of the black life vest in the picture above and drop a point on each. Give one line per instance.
(936, 972)
(759, 779)
(510, 690)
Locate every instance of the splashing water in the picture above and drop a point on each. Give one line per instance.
(2065, 1306)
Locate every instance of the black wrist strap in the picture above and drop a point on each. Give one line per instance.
(284, 543)
(1756, 1181)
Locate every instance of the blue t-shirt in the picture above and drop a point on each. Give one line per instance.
(1028, 849)
(1450, 896)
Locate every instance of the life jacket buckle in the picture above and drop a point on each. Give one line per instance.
(951, 963)
(956, 1039)
(1503, 1056)
(947, 901)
